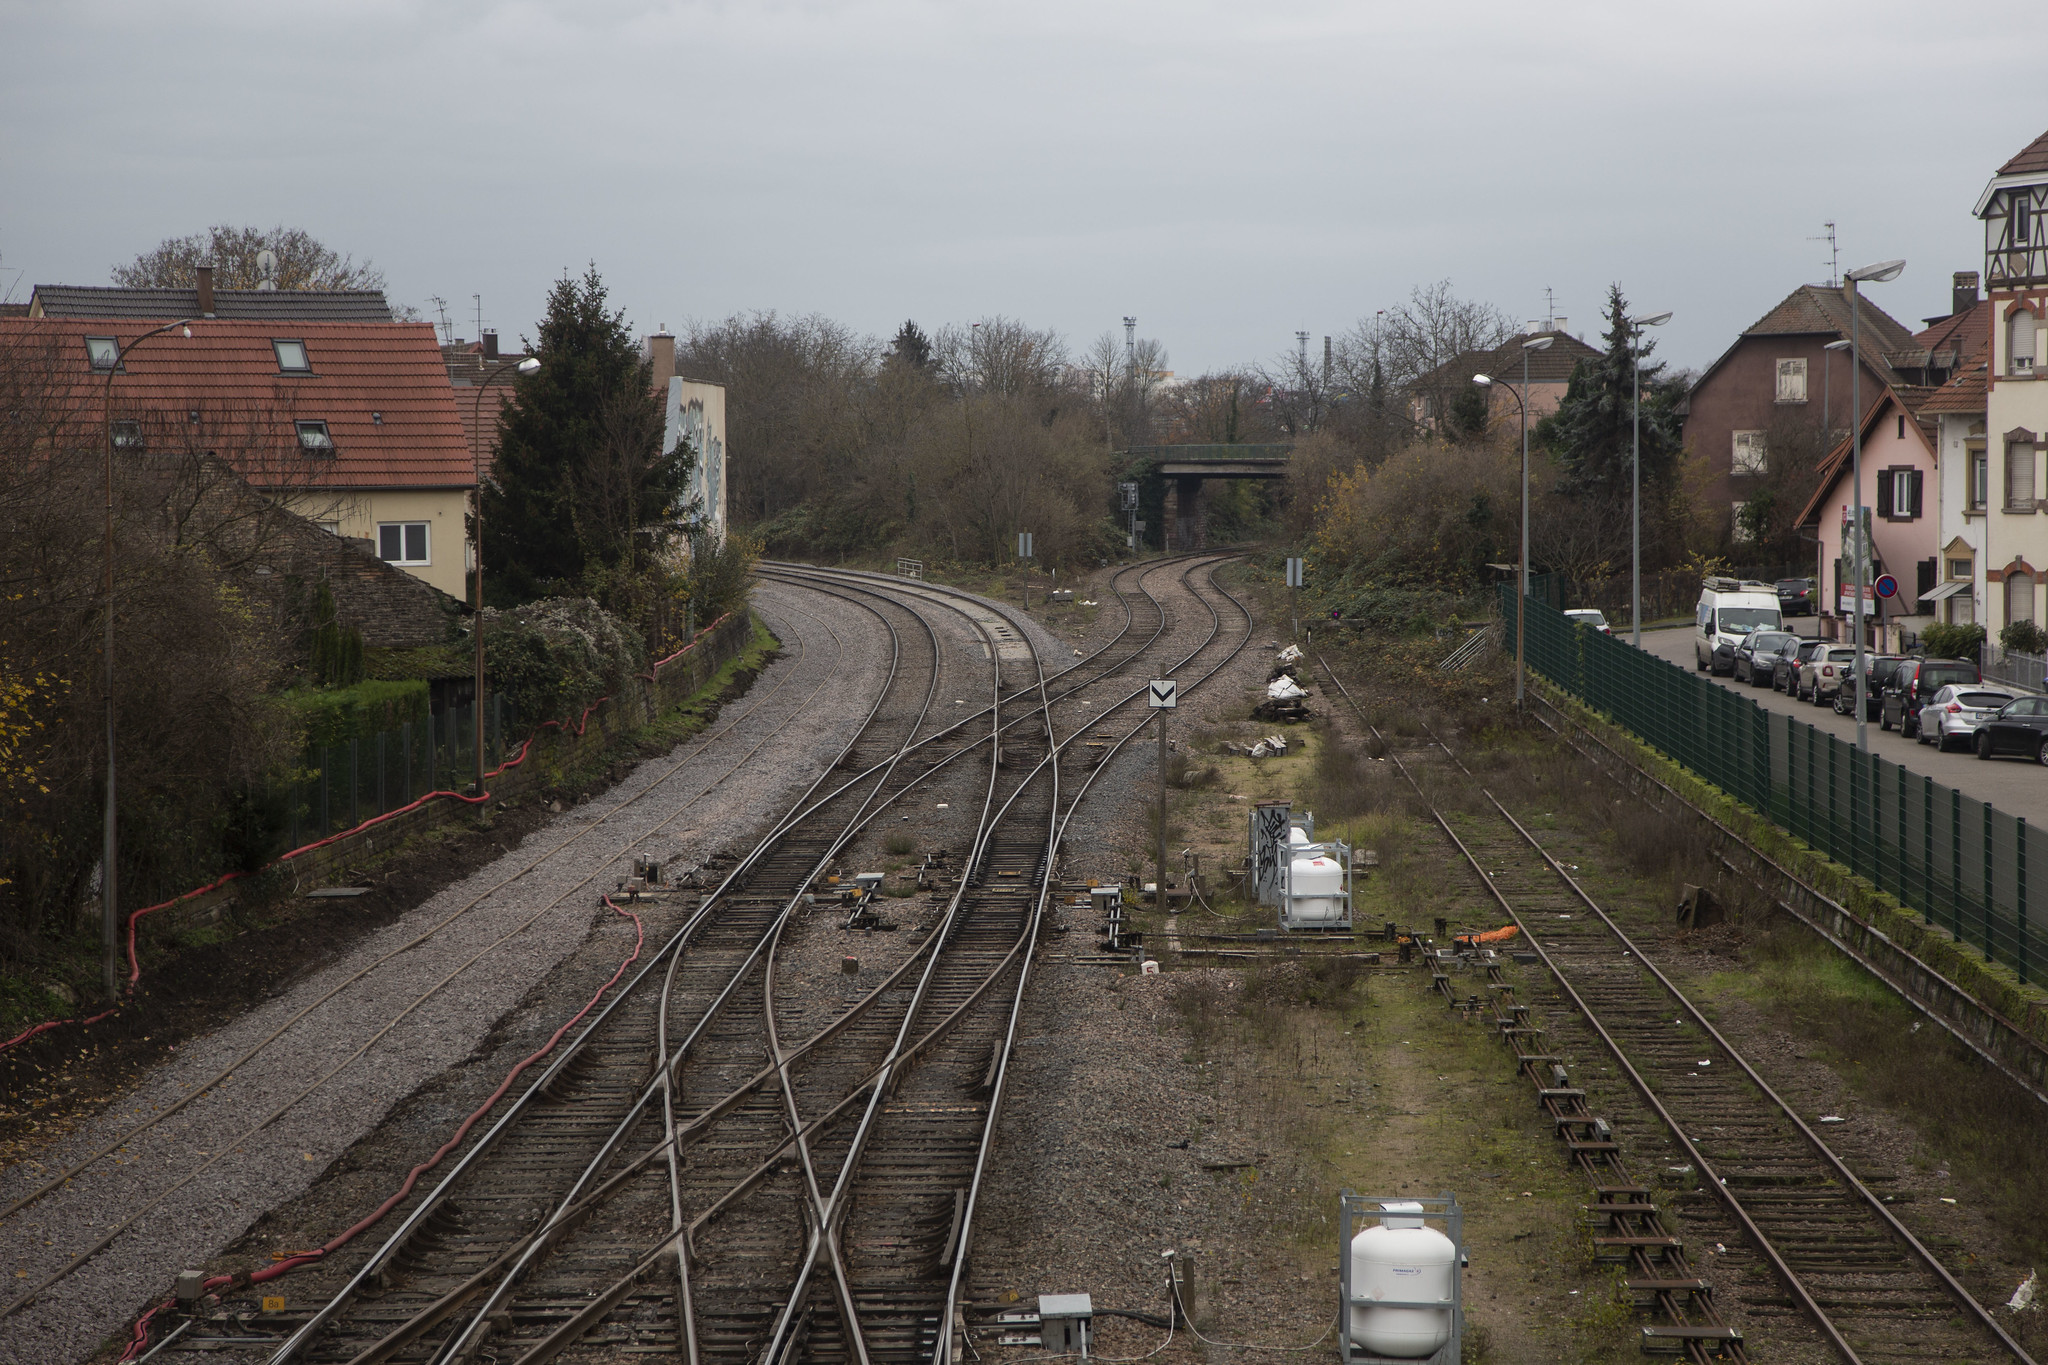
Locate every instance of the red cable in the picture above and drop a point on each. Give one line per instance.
(291, 1263)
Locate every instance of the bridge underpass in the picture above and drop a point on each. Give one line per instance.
(1186, 468)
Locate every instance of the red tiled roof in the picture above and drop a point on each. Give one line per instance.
(1964, 393)
(382, 389)
(479, 408)
(2033, 157)
(1968, 332)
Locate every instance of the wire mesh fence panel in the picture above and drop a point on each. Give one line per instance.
(1964, 866)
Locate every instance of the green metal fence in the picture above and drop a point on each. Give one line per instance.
(1961, 863)
(347, 784)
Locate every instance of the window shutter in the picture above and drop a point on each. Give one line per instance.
(1884, 493)
(1918, 480)
(1926, 583)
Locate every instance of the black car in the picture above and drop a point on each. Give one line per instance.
(1753, 656)
(1796, 596)
(1790, 660)
(2021, 728)
(1914, 683)
(1880, 668)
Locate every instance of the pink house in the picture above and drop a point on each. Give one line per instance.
(1900, 485)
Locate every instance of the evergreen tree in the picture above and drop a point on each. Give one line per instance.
(911, 347)
(579, 470)
(1591, 433)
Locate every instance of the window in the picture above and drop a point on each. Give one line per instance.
(2022, 219)
(127, 435)
(1792, 381)
(1741, 531)
(1902, 427)
(314, 438)
(1980, 479)
(2019, 477)
(291, 357)
(1898, 494)
(2020, 350)
(402, 542)
(2019, 597)
(1749, 452)
(103, 352)
(1959, 568)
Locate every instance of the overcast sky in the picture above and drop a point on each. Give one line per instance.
(1229, 173)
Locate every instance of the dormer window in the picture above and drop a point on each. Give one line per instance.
(291, 357)
(127, 435)
(314, 437)
(103, 352)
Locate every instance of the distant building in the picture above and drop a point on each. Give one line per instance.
(1434, 397)
(694, 413)
(2014, 211)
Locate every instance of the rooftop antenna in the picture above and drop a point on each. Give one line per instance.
(1549, 309)
(478, 300)
(441, 307)
(1834, 255)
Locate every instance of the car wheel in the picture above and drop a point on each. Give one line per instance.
(1983, 744)
(2041, 753)
(1909, 728)
(1884, 720)
(1699, 663)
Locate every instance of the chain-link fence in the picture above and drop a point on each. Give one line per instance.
(346, 784)
(1959, 862)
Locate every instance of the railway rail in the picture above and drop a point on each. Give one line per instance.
(1872, 1289)
(808, 1190)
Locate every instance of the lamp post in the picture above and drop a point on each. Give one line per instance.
(1880, 273)
(1827, 391)
(1635, 367)
(110, 909)
(525, 365)
(1541, 343)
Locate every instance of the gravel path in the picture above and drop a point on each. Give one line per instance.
(714, 792)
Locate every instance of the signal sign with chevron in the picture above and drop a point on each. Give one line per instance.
(1164, 694)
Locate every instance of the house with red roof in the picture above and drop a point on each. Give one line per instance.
(1899, 485)
(2014, 529)
(350, 421)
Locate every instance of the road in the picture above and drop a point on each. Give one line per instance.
(2014, 785)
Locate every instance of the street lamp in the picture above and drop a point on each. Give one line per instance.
(1635, 366)
(1541, 343)
(525, 365)
(1827, 392)
(1880, 273)
(110, 910)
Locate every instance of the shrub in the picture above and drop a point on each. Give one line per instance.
(337, 715)
(556, 656)
(2023, 637)
(1952, 642)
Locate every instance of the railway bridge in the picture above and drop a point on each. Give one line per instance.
(1186, 467)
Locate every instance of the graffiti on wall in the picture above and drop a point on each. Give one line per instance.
(696, 417)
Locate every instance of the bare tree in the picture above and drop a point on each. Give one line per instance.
(1002, 356)
(303, 261)
(1402, 351)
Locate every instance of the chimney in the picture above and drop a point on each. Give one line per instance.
(1964, 297)
(661, 350)
(490, 344)
(206, 291)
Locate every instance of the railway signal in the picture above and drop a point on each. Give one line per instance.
(1162, 695)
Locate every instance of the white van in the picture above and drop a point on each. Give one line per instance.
(1729, 610)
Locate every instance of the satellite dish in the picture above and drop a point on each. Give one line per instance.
(266, 269)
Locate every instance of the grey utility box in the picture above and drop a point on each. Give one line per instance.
(1065, 1322)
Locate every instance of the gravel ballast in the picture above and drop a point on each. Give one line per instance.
(715, 792)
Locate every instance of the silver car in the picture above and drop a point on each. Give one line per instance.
(1954, 713)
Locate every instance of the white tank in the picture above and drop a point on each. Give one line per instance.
(1317, 886)
(1402, 1260)
(1296, 836)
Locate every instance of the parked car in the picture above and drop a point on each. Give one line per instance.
(1753, 656)
(1796, 596)
(1878, 669)
(1821, 677)
(2021, 727)
(1914, 684)
(1729, 610)
(1792, 662)
(1587, 616)
(1955, 713)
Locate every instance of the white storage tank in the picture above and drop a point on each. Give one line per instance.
(1316, 884)
(1405, 1261)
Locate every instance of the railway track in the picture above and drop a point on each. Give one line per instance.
(807, 1186)
(1873, 1290)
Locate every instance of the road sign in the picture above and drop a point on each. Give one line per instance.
(1023, 545)
(1294, 575)
(1887, 586)
(1164, 694)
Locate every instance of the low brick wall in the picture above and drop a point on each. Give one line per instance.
(551, 751)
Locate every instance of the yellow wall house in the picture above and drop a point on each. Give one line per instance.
(2014, 210)
(351, 423)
